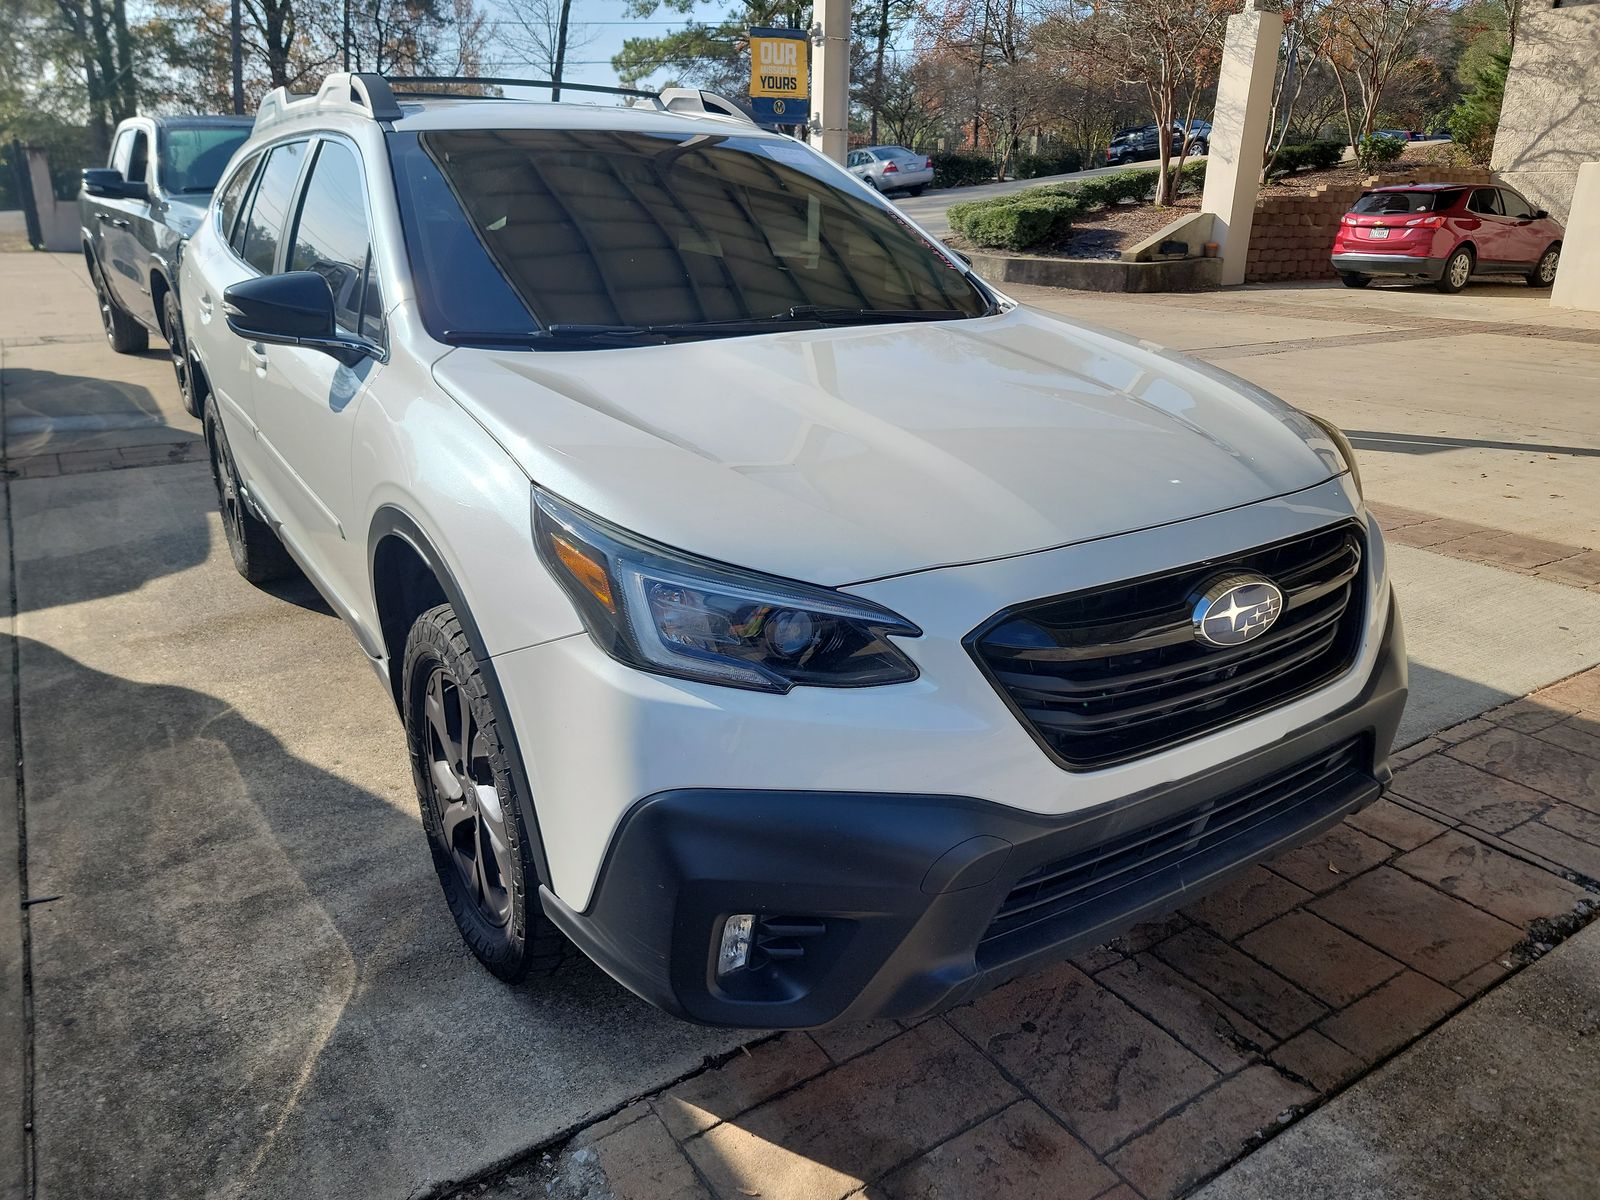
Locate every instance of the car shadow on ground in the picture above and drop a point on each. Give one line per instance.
(250, 983)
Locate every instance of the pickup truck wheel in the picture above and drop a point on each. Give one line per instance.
(257, 553)
(468, 795)
(178, 347)
(125, 334)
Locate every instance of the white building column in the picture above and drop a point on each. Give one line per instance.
(1239, 131)
(830, 79)
(1578, 280)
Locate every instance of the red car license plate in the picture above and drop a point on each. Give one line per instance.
(1380, 231)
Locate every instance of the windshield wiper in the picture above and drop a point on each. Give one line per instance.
(870, 316)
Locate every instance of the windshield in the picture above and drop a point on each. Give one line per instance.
(517, 230)
(1400, 203)
(192, 157)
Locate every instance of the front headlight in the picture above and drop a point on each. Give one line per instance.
(662, 610)
(1341, 446)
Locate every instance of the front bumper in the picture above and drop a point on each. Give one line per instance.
(893, 899)
(1389, 264)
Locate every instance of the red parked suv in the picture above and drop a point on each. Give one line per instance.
(1447, 233)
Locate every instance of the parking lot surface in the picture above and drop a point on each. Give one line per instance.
(236, 976)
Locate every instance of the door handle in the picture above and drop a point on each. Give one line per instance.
(258, 354)
(205, 306)
(117, 221)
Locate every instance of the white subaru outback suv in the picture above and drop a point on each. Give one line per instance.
(795, 623)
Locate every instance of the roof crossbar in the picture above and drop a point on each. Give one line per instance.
(507, 81)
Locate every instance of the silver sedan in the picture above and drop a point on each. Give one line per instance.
(891, 169)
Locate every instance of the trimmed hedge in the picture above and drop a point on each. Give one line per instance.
(1032, 166)
(1307, 156)
(1029, 217)
(1015, 222)
(961, 170)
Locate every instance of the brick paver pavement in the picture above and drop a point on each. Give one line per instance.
(1144, 1067)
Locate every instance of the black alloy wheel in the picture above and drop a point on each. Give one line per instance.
(466, 801)
(125, 334)
(178, 349)
(468, 795)
(257, 553)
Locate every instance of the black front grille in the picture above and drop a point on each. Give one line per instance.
(1115, 673)
(1091, 887)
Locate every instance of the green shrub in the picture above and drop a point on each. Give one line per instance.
(1015, 222)
(1307, 156)
(1374, 150)
(961, 170)
(1193, 179)
(1062, 162)
(1129, 185)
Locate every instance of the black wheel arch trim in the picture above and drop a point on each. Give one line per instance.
(390, 521)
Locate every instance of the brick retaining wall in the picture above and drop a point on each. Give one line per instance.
(1293, 235)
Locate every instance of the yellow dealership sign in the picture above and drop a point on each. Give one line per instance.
(780, 76)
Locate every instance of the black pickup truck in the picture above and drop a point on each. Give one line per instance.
(136, 213)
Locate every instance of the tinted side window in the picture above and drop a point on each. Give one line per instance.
(1485, 200)
(331, 236)
(270, 207)
(1515, 205)
(233, 195)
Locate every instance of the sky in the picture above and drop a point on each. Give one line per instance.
(604, 26)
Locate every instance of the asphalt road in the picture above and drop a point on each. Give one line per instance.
(244, 980)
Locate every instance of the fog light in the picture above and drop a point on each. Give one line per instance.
(735, 951)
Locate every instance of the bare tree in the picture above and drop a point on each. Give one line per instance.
(542, 34)
(1369, 45)
(1170, 48)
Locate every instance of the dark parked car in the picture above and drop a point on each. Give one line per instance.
(138, 210)
(1142, 143)
(1447, 233)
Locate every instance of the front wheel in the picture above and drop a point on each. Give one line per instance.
(1351, 280)
(1199, 148)
(1457, 270)
(470, 812)
(1544, 274)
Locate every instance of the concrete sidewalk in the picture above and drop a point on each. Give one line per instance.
(249, 985)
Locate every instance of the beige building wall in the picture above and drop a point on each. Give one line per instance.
(1550, 124)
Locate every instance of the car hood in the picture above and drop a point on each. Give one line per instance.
(841, 455)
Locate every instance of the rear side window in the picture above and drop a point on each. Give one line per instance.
(270, 207)
(1399, 203)
(331, 236)
(194, 156)
(1487, 201)
(232, 198)
(138, 158)
(1515, 205)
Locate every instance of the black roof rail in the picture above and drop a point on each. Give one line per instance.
(507, 81)
(374, 91)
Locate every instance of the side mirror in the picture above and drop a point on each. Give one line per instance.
(293, 309)
(1540, 214)
(108, 182)
(963, 257)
